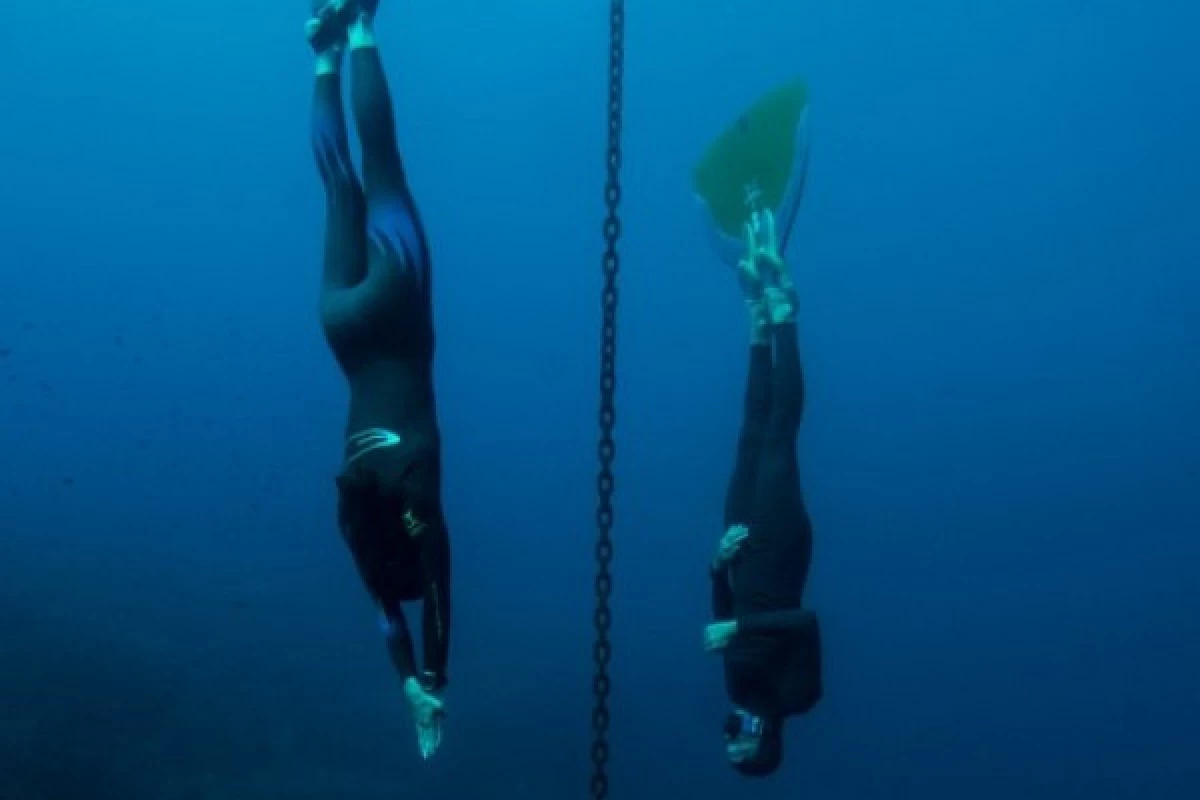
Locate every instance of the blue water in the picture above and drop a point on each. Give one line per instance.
(999, 270)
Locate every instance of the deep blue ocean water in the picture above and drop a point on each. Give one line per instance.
(1000, 275)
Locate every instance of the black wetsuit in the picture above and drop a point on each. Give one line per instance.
(377, 315)
(772, 666)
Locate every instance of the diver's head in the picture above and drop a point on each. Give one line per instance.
(753, 743)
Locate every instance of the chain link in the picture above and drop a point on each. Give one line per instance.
(602, 618)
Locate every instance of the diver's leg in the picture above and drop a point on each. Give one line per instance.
(395, 233)
(739, 495)
(331, 18)
(779, 513)
(781, 517)
(345, 207)
(787, 396)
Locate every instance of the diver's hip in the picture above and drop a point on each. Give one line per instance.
(404, 405)
(404, 439)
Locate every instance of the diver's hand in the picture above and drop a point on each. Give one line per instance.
(730, 544)
(718, 635)
(429, 735)
(428, 715)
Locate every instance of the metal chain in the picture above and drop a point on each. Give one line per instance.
(602, 649)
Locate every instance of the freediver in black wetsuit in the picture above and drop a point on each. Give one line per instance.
(771, 645)
(378, 319)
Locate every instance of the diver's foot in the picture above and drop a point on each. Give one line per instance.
(781, 305)
(752, 290)
(361, 33)
(783, 278)
(750, 279)
(329, 59)
(331, 21)
(774, 270)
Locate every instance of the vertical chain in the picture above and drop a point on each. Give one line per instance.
(602, 618)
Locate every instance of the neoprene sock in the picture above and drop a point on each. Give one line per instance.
(781, 305)
(759, 321)
(361, 33)
(330, 61)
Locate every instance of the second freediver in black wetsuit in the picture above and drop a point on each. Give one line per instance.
(377, 316)
(771, 645)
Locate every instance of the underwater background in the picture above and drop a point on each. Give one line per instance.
(1000, 276)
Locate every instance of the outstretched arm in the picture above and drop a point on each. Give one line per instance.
(399, 642)
(435, 620)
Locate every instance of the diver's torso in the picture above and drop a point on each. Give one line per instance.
(382, 338)
(772, 567)
(768, 575)
(396, 396)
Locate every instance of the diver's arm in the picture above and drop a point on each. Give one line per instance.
(796, 621)
(435, 618)
(399, 643)
(722, 592)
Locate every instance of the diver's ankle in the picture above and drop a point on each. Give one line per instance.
(329, 62)
(361, 32)
(781, 306)
(759, 321)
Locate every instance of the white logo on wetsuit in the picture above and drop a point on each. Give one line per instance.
(372, 439)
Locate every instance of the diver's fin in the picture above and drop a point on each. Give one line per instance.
(729, 249)
(793, 195)
(753, 163)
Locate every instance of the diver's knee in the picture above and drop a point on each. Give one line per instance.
(391, 219)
